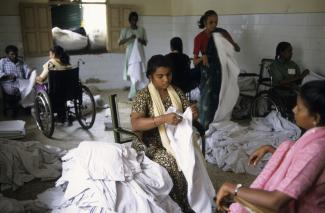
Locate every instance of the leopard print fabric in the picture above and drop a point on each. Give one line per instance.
(155, 150)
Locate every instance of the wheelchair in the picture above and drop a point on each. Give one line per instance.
(265, 97)
(64, 94)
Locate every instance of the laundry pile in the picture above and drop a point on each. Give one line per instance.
(21, 162)
(229, 144)
(12, 129)
(108, 177)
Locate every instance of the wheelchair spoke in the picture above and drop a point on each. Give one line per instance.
(43, 114)
(85, 109)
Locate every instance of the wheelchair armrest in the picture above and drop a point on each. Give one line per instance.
(248, 75)
(252, 207)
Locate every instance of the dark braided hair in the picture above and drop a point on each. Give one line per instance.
(61, 54)
(282, 46)
(204, 18)
(176, 44)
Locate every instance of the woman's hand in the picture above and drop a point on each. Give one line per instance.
(205, 61)
(225, 190)
(39, 80)
(172, 118)
(197, 60)
(142, 41)
(259, 153)
(195, 111)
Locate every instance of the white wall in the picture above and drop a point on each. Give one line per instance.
(257, 35)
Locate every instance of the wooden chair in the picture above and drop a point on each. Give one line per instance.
(119, 131)
(252, 208)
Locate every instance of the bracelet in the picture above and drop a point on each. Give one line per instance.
(238, 186)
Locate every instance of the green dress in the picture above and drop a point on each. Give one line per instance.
(155, 150)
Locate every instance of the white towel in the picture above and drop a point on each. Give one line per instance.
(200, 191)
(136, 66)
(229, 91)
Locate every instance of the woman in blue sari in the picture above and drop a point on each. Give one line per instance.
(210, 66)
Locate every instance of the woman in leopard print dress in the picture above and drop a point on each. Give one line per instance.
(145, 122)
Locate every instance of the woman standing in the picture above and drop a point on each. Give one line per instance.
(209, 65)
(128, 36)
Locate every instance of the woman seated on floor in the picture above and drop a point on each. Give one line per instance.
(294, 178)
(148, 118)
(59, 60)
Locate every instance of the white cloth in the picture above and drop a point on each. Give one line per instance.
(69, 40)
(108, 177)
(12, 129)
(21, 162)
(159, 109)
(312, 76)
(229, 144)
(8, 205)
(26, 90)
(136, 66)
(229, 90)
(200, 191)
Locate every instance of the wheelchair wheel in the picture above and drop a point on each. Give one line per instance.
(264, 103)
(43, 114)
(85, 109)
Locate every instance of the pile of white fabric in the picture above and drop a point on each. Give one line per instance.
(12, 129)
(26, 88)
(229, 144)
(69, 40)
(108, 177)
(21, 162)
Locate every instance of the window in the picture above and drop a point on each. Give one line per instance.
(87, 26)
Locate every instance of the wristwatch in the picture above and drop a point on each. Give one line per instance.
(238, 186)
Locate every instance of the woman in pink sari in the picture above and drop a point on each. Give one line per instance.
(294, 178)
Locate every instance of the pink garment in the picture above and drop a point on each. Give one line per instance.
(298, 170)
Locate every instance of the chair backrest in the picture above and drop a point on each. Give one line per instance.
(117, 129)
(64, 85)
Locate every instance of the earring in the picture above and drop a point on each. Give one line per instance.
(314, 123)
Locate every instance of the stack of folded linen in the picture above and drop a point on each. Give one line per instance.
(12, 129)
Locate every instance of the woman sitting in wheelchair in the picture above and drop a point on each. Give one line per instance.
(293, 180)
(150, 120)
(286, 75)
(285, 72)
(59, 60)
